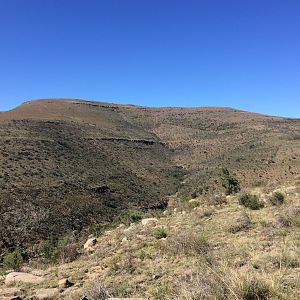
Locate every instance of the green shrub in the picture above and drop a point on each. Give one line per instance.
(229, 183)
(13, 260)
(250, 201)
(159, 233)
(277, 199)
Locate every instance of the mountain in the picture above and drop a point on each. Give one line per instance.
(69, 163)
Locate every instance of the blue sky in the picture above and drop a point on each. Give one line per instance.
(243, 54)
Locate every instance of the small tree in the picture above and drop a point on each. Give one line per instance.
(229, 183)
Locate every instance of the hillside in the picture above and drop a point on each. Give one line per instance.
(68, 163)
(200, 249)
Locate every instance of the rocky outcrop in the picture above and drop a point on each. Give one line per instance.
(23, 277)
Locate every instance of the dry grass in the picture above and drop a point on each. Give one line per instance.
(199, 259)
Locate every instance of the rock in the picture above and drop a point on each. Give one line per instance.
(90, 243)
(64, 283)
(124, 240)
(23, 277)
(149, 221)
(39, 272)
(131, 227)
(10, 293)
(121, 226)
(45, 294)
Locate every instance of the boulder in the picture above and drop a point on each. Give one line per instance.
(90, 243)
(45, 294)
(64, 283)
(10, 293)
(149, 221)
(23, 277)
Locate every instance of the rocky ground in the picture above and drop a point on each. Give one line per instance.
(203, 248)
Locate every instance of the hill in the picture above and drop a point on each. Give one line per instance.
(68, 163)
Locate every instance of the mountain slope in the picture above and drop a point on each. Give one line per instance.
(68, 163)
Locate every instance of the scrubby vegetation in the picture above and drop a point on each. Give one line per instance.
(13, 260)
(229, 183)
(96, 170)
(219, 252)
(277, 198)
(250, 201)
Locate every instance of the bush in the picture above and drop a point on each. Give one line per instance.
(66, 252)
(187, 243)
(13, 260)
(289, 216)
(53, 251)
(47, 250)
(97, 291)
(277, 199)
(201, 244)
(254, 289)
(229, 183)
(159, 233)
(217, 200)
(250, 201)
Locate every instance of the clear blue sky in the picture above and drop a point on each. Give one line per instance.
(238, 53)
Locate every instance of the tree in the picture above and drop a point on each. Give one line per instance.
(229, 183)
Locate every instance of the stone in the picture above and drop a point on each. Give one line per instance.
(45, 294)
(39, 272)
(91, 242)
(64, 283)
(149, 221)
(10, 292)
(23, 277)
